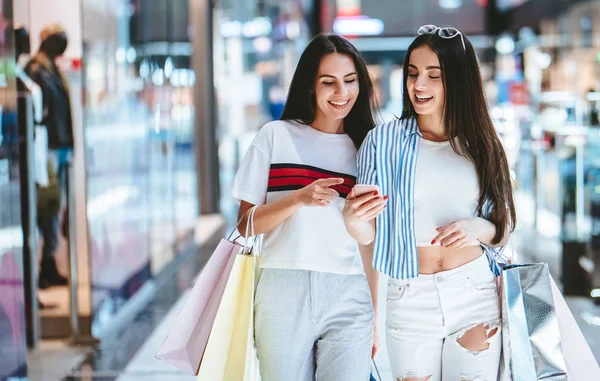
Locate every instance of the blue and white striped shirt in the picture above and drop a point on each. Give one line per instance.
(388, 158)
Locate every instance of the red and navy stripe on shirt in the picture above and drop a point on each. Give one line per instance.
(288, 177)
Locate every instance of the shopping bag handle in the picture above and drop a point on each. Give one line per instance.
(376, 370)
(497, 254)
(250, 232)
(237, 225)
(496, 258)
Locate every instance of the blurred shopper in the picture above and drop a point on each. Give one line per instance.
(447, 177)
(314, 316)
(57, 118)
(55, 88)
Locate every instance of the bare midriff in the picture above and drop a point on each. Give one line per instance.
(433, 259)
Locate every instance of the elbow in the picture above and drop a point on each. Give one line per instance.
(365, 241)
(504, 241)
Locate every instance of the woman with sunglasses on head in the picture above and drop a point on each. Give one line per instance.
(445, 172)
(314, 315)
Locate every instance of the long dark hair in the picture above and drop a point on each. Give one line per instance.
(469, 126)
(301, 102)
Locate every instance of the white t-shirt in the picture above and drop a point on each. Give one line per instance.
(440, 168)
(286, 156)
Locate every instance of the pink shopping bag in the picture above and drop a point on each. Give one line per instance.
(187, 339)
(580, 361)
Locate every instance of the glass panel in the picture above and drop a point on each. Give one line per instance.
(12, 315)
(138, 131)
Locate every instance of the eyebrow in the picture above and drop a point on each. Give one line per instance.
(427, 68)
(331, 76)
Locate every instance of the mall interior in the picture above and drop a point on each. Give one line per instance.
(165, 99)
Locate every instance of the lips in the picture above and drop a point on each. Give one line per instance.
(423, 99)
(339, 104)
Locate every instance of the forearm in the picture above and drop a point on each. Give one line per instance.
(366, 253)
(362, 231)
(488, 232)
(267, 217)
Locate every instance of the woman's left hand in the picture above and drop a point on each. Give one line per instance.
(459, 234)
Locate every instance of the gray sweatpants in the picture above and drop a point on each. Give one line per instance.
(313, 326)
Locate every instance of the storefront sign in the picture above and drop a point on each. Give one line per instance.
(358, 26)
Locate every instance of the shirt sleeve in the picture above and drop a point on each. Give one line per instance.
(366, 162)
(252, 178)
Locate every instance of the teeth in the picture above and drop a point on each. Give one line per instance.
(338, 103)
(424, 98)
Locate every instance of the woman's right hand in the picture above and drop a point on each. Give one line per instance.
(365, 207)
(319, 193)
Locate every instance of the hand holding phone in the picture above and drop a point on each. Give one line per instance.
(366, 202)
(362, 189)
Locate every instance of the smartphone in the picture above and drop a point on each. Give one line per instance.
(361, 189)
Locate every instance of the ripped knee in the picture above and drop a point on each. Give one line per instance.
(477, 339)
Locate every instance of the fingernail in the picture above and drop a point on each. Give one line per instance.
(433, 242)
(386, 197)
(375, 193)
(440, 228)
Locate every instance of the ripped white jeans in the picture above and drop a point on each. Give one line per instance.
(427, 318)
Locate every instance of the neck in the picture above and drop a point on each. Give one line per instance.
(328, 125)
(432, 127)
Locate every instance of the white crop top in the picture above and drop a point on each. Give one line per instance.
(446, 189)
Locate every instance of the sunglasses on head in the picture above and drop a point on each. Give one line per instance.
(445, 32)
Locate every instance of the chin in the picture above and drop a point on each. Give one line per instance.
(424, 110)
(338, 116)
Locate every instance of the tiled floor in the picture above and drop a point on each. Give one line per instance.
(51, 358)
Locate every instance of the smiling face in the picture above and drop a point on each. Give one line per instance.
(337, 86)
(424, 83)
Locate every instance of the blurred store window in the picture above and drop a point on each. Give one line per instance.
(256, 47)
(142, 197)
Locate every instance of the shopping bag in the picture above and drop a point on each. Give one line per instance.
(531, 336)
(230, 341)
(40, 154)
(187, 339)
(185, 342)
(580, 361)
(230, 354)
